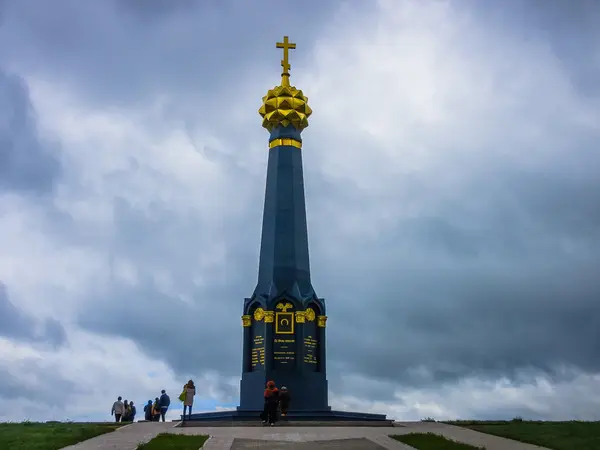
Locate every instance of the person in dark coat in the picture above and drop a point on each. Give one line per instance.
(148, 411)
(271, 396)
(284, 400)
(165, 402)
(133, 412)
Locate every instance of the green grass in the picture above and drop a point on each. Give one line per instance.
(430, 441)
(49, 436)
(166, 441)
(554, 435)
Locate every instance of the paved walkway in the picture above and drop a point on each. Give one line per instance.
(297, 438)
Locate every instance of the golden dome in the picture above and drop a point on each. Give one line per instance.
(285, 105)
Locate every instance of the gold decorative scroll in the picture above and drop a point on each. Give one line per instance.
(321, 320)
(284, 306)
(269, 316)
(310, 314)
(259, 314)
(300, 315)
(246, 320)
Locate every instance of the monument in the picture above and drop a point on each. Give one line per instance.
(284, 320)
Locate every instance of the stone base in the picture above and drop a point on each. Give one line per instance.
(294, 418)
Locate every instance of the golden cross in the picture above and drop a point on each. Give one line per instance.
(286, 45)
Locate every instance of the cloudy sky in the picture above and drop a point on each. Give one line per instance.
(452, 174)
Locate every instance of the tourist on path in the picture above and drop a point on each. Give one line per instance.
(117, 409)
(148, 411)
(284, 401)
(132, 412)
(156, 410)
(188, 402)
(271, 396)
(164, 402)
(126, 412)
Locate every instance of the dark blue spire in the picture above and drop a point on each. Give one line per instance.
(284, 261)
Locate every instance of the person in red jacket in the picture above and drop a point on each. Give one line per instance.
(271, 396)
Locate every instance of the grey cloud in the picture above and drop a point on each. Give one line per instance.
(122, 52)
(16, 324)
(26, 162)
(486, 289)
(570, 28)
(189, 337)
(495, 277)
(45, 387)
(509, 291)
(194, 325)
(158, 9)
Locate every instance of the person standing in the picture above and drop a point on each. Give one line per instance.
(126, 411)
(284, 401)
(156, 410)
(117, 409)
(148, 411)
(132, 412)
(271, 396)
(188, 402)
(165, 402)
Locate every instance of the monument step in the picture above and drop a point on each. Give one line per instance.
(288, 423)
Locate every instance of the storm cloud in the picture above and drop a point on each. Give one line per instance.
(26, 164)
(17, 324)
(452, 176)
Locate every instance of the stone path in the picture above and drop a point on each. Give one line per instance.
(125, 438)
(338, 444)
(297, 438)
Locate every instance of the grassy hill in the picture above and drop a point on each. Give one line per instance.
(51, 435)
(572, 435)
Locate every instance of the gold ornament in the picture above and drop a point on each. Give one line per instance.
(259, 314)
(300, 315)
(321, 320)
(285, 105)
(284, 306)
(310, 314)
(269, 316)
(246, 320)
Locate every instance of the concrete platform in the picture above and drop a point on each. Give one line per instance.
(293, 416)
(297, 438)
(287, 423)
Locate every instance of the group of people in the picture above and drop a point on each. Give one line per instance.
(123, 411)
(275, 400)
(154, 411)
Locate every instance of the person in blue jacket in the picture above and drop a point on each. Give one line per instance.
(164, 403)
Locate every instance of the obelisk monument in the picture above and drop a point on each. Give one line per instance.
(284, 319)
